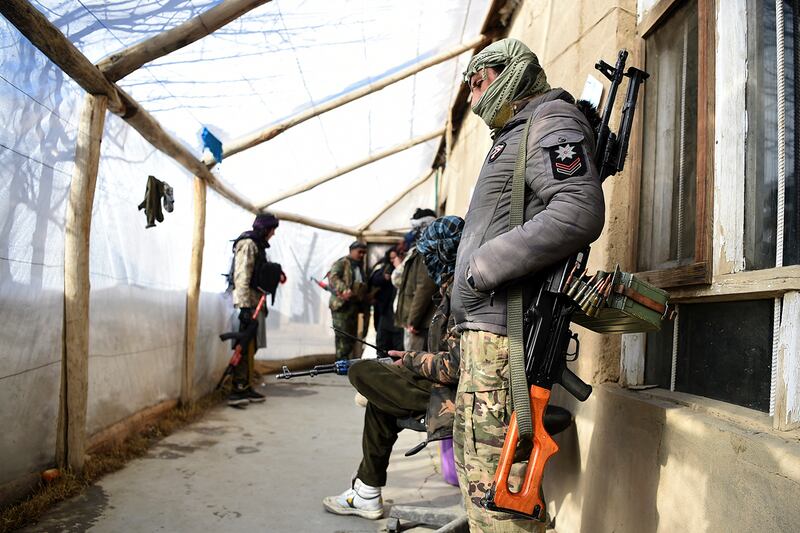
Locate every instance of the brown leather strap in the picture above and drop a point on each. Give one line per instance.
(640, 298)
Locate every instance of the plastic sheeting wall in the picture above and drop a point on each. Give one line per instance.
(139, 279)
(138, 276)
(38, 109)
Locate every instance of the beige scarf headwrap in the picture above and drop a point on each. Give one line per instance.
(521, 77)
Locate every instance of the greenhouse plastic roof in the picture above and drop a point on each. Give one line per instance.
(275, 61)
(283, 58)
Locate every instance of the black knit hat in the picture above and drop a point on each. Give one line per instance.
(422, 213)
(358, 244)
(265, 221)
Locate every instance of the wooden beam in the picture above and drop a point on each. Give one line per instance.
(71, 445)
(374, 239)
(329, 226)
(655, 15)
(254, 139)
(389, 233)
(47, 38)
(419, 181)
(349, 168)
(193, 292)
(680, 276)
(632, 359)
(149, 128)
(115, 435)
(787, 395)
(747, 285)
(120, 64)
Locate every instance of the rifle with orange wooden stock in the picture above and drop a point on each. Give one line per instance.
(546, 321)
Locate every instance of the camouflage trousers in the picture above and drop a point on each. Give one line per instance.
(346, 320)
(483, 411)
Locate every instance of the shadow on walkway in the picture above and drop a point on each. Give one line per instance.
(263, 468)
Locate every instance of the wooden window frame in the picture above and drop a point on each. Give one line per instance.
(700, 271)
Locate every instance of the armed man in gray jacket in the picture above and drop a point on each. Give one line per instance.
(563, 213)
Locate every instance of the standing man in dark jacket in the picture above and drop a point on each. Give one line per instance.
(249, 251)
(387, 335)
(563, 213)
(414, 304)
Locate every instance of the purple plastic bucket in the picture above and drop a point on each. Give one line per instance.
(448, 462)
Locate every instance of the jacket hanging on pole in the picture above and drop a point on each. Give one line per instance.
(156, 191)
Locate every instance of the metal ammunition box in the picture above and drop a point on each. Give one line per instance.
(631, 307)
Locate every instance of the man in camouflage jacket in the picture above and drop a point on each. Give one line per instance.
(249, 249)
(417, 384)
(347, 279)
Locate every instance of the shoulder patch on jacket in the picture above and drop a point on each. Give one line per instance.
(567, 159)
(496, 150)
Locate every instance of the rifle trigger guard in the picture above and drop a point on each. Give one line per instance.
(574, 355)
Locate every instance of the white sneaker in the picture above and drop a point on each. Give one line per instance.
(361, 400)
(351, 503)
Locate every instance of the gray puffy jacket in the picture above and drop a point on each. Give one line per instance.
(564, 208)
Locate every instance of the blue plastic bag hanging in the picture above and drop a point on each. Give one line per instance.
(213, 144)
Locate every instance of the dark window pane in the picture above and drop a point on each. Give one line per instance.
(791, 246)
(725, 352)
(658, 361)
(669, 169)
(761, 173)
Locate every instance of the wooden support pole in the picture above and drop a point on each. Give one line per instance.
(249, 141)
(71, 442)
(349, 168)
(419, 181)
(120, 64)
(329, 226)
(193, 291)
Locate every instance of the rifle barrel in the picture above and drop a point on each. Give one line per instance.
(353, 337)
(636, 78)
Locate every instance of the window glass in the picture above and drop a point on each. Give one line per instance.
(761, 175)
(724, 352)
(658, 362)
(669, 167)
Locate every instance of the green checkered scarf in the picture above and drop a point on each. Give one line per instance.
(521, 77)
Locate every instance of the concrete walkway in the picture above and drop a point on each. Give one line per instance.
(264, 468)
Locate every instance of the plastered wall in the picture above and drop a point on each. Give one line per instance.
(636, 462)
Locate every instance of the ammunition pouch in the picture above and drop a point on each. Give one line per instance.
(633, 306)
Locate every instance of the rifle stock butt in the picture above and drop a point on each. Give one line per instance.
(528, 500)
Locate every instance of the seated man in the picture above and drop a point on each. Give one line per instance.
(417, 382)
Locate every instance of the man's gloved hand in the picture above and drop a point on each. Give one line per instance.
(245, 316)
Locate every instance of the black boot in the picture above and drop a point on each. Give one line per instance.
(238, 397)
(253, 396)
